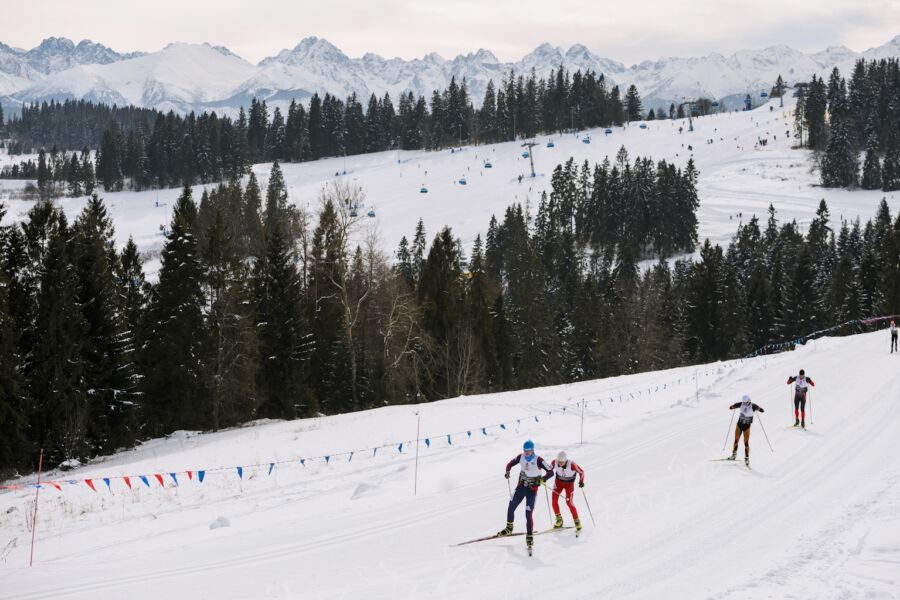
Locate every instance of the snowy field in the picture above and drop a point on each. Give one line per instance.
(818, 517)
(736, 178)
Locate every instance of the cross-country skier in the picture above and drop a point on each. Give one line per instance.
(801, 386)
(530, 478)
(893, 337)
(565, 471)
(743, 426)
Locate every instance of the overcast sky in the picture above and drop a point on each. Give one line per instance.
(628, 31)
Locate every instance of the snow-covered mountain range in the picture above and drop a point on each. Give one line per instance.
(186, 77)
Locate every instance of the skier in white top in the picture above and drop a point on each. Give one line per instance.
(743, 426)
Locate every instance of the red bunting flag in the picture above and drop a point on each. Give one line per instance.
(127, 482)
(190, 475)
(160, 479)
(90, 484)
(54, 484)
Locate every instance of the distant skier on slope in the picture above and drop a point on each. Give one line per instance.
(530, 478)
(801, 386)
(565, 471)
(893, 337)
(743, 426)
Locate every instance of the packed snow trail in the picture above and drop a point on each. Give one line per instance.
(818, 517)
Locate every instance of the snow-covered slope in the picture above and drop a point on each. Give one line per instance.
(817, 517)
(59, 69)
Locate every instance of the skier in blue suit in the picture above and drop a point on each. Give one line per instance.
(530, 478)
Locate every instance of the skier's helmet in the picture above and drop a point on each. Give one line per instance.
(528, 445)
(802, 372)
(561, 458)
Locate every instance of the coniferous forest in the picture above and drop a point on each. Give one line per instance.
(141, 148)
(262, 310)
(842, 119)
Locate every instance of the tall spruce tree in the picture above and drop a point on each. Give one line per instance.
(278, 292)
(174, 387)
(108, 371)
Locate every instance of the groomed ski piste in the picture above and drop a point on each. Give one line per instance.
(818, 517)
(738, 178)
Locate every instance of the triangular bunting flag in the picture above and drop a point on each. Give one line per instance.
(427, 443)
(144, 479)
(240, 471)
(54, 484)
(127, 482)
(106, 481)
(160, 479)
(327, 458)
(201, 475)
(90, 484)
(174, 478)
(349, 458)
(271, 466)
(448, 440)
(190, 475)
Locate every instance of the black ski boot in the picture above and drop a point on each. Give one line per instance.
(803, 424)
(529, 543)
(733, 456)
(796, 422)
(506, 530)
(747, 461)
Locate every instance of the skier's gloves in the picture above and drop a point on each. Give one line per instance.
(506, 474)
(761, 409)
(580, 484)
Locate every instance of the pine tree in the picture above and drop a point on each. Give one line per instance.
(814, 114)
(328, 271)
(232, 359)
(840, 166)
(13, 446)
(277, 294)
(109, 162)
(58, 419)
(174, 391)
(108, 373)
(871, 179)
(633, 107)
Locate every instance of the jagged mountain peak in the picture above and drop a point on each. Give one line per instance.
(310, 48)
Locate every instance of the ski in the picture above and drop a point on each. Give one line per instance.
(555, 529)
(496, 536)
(518, 533)
(729, 460)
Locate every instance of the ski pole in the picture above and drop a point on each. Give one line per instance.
(810, 406)
(586, 503)
(547, 496)
(765, 434)
(729, 430)
(509, 485)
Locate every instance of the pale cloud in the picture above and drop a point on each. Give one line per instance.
(628, 31)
